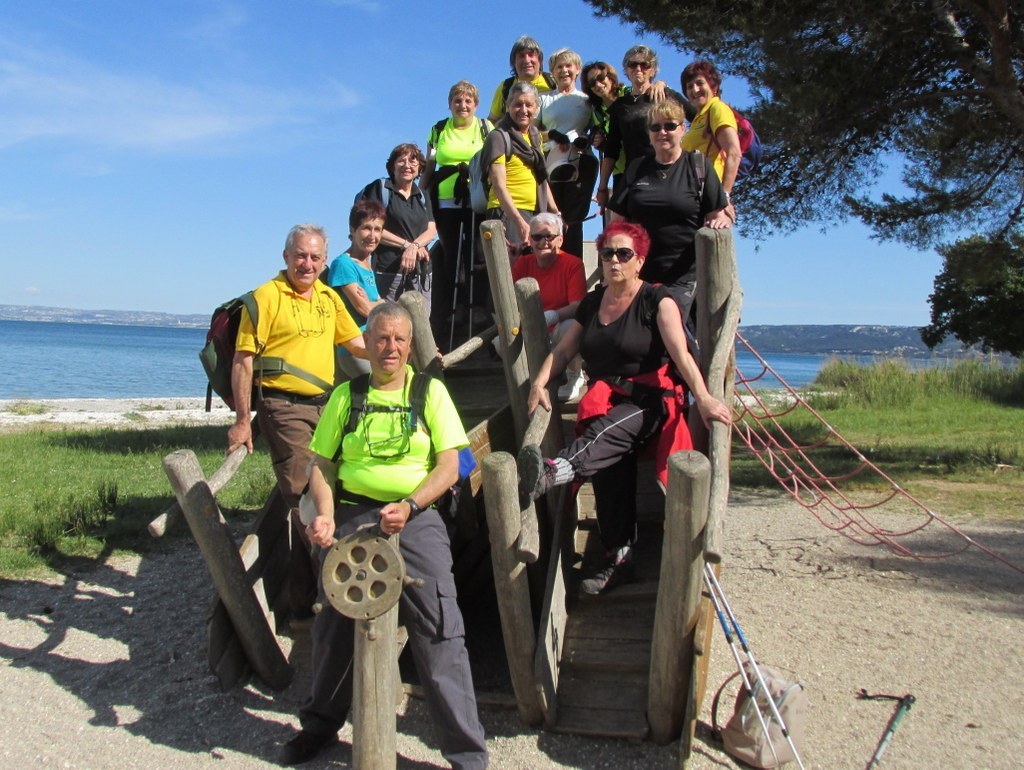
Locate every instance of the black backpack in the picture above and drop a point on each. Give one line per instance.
(448, 505)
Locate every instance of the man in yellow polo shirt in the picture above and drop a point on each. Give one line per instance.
(525, 60)
(300, 320)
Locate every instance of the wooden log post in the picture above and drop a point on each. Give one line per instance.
(424, 347)
(511, 581)
(506, 308)
(247, 612)
(158, 527)
(719, 299)
(677, 609)
(374, 742)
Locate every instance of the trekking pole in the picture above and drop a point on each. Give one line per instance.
(731, 641)
(472, 267)
(894, 721)
(455, 290)
(709, 574)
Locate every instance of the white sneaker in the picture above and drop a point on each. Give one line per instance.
(571, 390)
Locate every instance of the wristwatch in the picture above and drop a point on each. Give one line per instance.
(414, 508)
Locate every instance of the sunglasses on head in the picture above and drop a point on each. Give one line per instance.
(656, 128)
(541, 237)
(638, 65)
(622, 254)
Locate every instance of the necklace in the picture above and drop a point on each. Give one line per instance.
(316, 314)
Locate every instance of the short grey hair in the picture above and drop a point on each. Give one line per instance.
(387, 311)
(549, 219)
(524, 43)
(307, 228)
(643, 52)
(519, 87)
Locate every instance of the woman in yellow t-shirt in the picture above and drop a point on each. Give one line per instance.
(713, 131)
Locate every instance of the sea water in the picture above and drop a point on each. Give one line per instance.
(72, 360)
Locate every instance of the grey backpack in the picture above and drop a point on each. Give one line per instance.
(743, 737)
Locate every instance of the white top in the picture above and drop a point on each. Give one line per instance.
(568, 114)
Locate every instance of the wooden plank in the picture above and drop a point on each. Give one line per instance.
(627, 725)
(628, 655)
(580, 691)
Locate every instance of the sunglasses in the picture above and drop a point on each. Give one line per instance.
(597, 79)
(622, 254)
(541, 237)
(638, 65)
(656, 128)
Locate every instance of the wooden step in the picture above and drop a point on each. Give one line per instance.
(603, 703)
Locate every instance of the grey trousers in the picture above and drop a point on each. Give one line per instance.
(436, 636)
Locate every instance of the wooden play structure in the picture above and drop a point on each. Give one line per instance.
(631, 663)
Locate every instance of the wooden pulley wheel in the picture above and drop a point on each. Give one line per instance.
(363, 574)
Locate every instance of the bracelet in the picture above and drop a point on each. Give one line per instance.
(414, 508)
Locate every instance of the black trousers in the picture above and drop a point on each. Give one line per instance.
(606, 453)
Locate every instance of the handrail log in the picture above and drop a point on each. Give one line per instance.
(158, 527)
(678, 603)
(239, 596)
(469, 347)
(511, 581)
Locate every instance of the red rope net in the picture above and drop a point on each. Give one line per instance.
(797, 469)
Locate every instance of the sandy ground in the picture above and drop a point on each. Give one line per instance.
(105, 668)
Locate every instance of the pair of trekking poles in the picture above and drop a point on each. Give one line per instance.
(471, 273)
(757, 684)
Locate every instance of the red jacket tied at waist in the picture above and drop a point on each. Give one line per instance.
(674, 436)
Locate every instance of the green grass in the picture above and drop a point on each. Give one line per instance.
(80, 493)
(25, 408)
(959, 429)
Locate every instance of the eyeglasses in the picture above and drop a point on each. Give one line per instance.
(601, 78)
(389, 427)
(541, 237)
(622, 254)
(638, 65)
(656, 128)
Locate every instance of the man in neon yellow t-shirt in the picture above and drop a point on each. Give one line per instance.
(390, 470)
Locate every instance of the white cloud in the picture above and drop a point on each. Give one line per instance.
(221, 25)
(14, 214)
(47, 96)
(32, 290)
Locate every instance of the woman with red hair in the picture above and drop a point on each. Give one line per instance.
(630, 335)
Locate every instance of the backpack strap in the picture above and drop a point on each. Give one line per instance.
(698, 162)
(506, 86)
(359, 388)
(384, 192)
(435, 132)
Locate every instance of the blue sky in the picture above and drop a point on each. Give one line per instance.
(154, 155)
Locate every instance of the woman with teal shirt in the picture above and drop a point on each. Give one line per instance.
(352, 277)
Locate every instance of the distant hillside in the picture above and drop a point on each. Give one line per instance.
(861, 340)
(105, 317)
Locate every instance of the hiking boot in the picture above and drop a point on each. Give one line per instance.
(604, 580)
(305, 746)
(536, 474)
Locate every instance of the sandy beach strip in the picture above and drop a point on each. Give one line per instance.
(111, 412)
